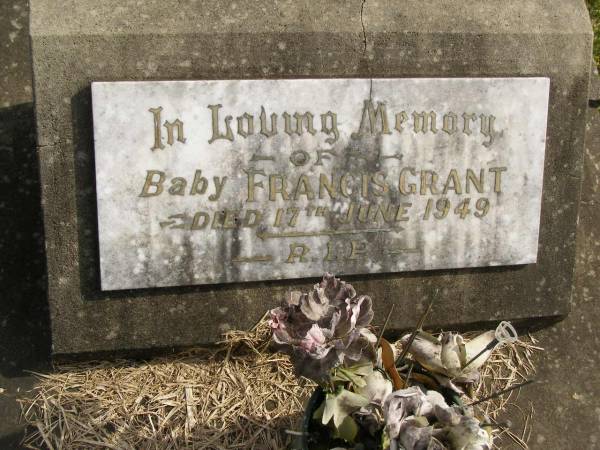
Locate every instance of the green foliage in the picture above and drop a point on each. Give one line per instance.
(594, 8)
(354, 375)
(347, 430)
(338, 406)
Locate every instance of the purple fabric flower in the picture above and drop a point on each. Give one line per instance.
(324, 328)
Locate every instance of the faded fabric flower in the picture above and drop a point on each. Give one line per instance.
(418, 420)
(452, 357)
(444, 357)
(376, 389)
(406, 415)
(462, 431)
(324, 328)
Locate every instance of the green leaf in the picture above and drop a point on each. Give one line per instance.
(353, 374)
(385, 439)
(341, 404)
(349, 375)
(362, 369)
(347, 429)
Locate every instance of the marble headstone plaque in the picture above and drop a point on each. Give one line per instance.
(204, 182)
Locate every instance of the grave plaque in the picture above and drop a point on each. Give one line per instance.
(202, 182)
(162, 231)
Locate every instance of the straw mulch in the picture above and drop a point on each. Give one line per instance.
(238, 395)
(508, 366)
(235, 396)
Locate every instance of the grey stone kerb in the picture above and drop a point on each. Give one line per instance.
(77, 42)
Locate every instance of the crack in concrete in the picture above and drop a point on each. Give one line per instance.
(364, 33)
(362, 23)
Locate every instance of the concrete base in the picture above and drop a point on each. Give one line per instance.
(115, 40)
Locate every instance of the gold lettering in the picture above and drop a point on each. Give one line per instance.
(357, 249)
(321, 211)
(497, 171)
(471, 178)
(452, 183)
(274, 189)
(294, 254)
(158, 145)
(230, 219)
(322, 154)
(263, 123)
(294, 212)
(330, 252)
(372, 115)
(349, 214)
(387, 212)
(333, 129)
(487, 128)
(379, 180)
(196, 224)
(216, 134)
(365, 185)
(412, 188)
(300, 119)
(287, 123)
(424, 120)
(303, 187)
(278, 217)
(178, 185)
(401, 216)
(170, 126)
(199, 185)
(250, 125)
(401, 117)
(425, 183)
(467, 126)
(252, 183)
(299, 157)
(158, 184)
(364, 213)
(449, 125)
(326, 185)
(215, 223)
(219, 183)
(252, 218)
(345, 185)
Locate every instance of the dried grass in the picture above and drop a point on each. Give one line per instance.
(508, 366)
(238, 395)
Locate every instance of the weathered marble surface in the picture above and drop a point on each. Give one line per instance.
(147, 239)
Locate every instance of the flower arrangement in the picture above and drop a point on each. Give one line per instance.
(375, 395)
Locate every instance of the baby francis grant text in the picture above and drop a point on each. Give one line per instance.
(273, 186)
(359, 198)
